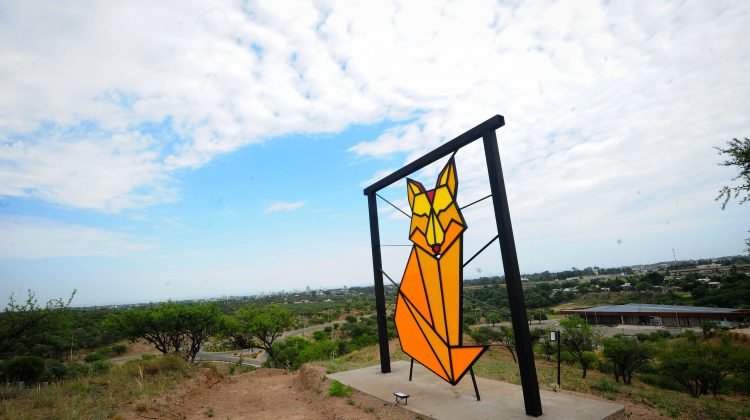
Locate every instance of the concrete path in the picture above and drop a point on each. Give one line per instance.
(433, 397)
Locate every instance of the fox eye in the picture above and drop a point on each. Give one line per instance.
(421, 205)
(442, 199)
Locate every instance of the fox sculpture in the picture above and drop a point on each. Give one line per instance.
(429, 305)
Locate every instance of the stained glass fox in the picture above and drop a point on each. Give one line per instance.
(429, 304)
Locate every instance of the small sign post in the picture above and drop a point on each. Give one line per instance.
(555, 336)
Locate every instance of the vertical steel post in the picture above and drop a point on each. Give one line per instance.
(513, 285)
(557, 336)
(377, 267)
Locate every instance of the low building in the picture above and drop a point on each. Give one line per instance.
(666, 315)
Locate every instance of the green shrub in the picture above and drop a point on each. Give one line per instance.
(605, 386)
(154, 366)
(605, 366)
(56, 370)
(28, 369)
(337, 389)
(77, 370)
(319, 335)
(101, 366)
(93, 357)
(104, 351)
(119, 349)
(661, 381)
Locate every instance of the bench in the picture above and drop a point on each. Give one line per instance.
(401, 396)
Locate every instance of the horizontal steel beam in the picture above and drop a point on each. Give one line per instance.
(444, 150)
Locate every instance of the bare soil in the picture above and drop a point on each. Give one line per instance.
(263, 394)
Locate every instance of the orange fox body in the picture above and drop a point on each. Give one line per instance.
(429, 304)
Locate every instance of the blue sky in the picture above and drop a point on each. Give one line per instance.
(151, 153)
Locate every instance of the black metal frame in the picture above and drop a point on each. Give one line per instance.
(485, 131)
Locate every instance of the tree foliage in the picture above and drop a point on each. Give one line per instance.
(626, 354)
(737, 153)
(173, 328)
(29, 328)
(504, 336)
(260, 326)
(698, 367)
(580, 340)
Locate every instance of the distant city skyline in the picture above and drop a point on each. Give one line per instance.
(164, 152)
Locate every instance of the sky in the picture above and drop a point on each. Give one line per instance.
(170, 150)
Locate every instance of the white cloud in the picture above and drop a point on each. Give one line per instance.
(283, 206)
(36, 238)
(609, 105)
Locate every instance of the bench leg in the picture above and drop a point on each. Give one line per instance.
(474, 381)
(411, 368)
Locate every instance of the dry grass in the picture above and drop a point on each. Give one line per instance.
(97, 396)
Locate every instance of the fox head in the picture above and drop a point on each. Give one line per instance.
(436, 220)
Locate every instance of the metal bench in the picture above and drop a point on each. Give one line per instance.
(402, 396)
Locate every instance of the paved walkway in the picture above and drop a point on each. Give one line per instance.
(433, 397)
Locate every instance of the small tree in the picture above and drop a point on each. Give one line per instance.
(626, 354)
(504, 336)
(708, 328)
(173, 328)
(737, 154)
(260, 326)
(580, 340)
(698, 367)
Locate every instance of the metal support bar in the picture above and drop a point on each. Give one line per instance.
(447, 148)
(529, 383)
(377, 263)
(411, 368)
(474, 381)
(557, 335)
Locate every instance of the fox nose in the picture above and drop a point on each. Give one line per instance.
(435, 234)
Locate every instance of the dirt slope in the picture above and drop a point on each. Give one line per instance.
(263, 394)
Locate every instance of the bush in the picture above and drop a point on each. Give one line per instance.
(119, 349)
(337, 389)
(101, 366)
(605, 366)
(94, 357)
(56, 370)
(153, 366)
(605, 386)
(28, 369)
(77, 370)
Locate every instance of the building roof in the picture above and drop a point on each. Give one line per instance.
(647, 308)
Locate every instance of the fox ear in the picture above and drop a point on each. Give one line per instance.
(448, 177)
(414, 188)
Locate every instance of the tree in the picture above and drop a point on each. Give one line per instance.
(504, 336)
(173, 328)
(626, 354)
(698, 367)
(737, 154)
(27, 326)
(261, 326)
(580, 340)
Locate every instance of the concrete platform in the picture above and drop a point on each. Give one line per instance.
(433, 397)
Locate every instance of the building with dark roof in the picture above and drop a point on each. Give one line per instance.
(666, 315)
